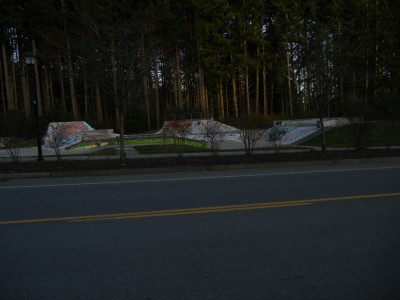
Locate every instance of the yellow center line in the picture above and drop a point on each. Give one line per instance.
(197, 210)
(185, 212)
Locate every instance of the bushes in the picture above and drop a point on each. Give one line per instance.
(253, 128)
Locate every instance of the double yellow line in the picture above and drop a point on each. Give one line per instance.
(198, 210)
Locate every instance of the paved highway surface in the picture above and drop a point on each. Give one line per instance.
(280, 233)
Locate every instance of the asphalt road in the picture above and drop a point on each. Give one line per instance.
(321, 232)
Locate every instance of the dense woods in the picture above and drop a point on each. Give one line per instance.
(133, 64)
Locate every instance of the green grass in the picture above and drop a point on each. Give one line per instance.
(103, 152)
(344, 136)
(380, 134)
(100, 152)
(168, 148)
(156, 140)
(335, 137)
(26, 143)
(29, 143)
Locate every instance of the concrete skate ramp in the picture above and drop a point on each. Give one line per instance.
(296, 130)
(196, 128)
(74, 132)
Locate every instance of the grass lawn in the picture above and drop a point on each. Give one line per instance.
(168, 148)
(100, 152)
(380, 134)
(103, 152)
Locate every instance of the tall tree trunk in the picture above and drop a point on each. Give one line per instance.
(272, 93)
(227, 107)
(341, 88)
(115, 78)
(99, 110)
(86, 91)
(354, 86)
(289, 81)
(47, 104)
(207, 102)
(15, 91)
(235, 96)
(3, 94)
(202, 94)
(221, 99)
(366, 87)
(178, 78)
(10, 102)
(247, 85)
(376, 75)
(75, 111)
(62, 87)
(122, 151)
(200, 83)
(234, 93)
(323, 142)
(51, 90)
(264, 80)
(258, 83)
(105, 118)
(366, 84)
(175, 85)
(247, 90)
(146, 85)
(340, 65)
(157, 91)
(25, 88)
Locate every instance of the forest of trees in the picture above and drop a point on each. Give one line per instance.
(134, 64)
